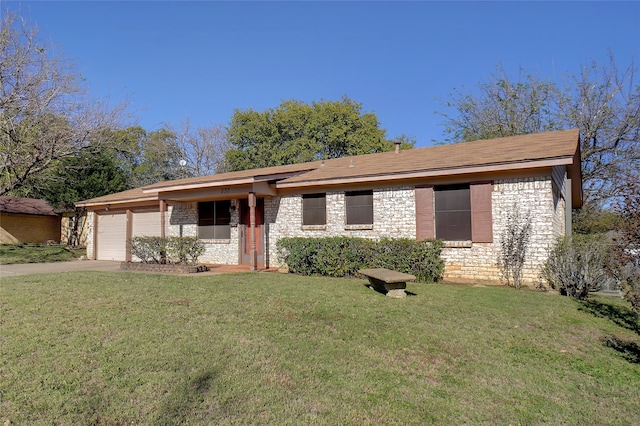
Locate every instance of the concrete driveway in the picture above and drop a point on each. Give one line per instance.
(47, 268)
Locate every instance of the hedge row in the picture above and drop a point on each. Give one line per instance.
(343, 256)
(180, 250)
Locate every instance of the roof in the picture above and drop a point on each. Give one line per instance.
(131, 195)
(494, 154)
(265, 173)
(32, 206)
(509, 153)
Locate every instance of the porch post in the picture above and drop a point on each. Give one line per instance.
(163, 208)
(253, 255)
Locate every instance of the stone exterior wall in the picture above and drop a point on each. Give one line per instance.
(393, 217)
(90, 231)
(183, 221)
(479, 261)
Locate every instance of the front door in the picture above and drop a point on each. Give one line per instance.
(245, 229)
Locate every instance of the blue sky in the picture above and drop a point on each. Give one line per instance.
(401, 60)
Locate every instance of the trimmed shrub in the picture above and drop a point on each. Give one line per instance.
(576, 265)
(343, 256)
(184, 250)
(149, 249)
(180, 250)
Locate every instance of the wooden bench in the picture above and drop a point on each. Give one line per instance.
(393, 283)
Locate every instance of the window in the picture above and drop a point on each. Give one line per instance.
(214, 218)
(359, 207)
(453, 212)
(314, 209)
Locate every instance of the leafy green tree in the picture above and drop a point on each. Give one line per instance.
(146, 157)
(85, 175)
(296, 132)
(602, 101)
(502, 107)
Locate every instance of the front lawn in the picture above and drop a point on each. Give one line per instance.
(37, 253)
(265, 348)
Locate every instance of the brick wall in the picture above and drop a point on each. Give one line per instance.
(393, 216)
(478, 261)
(90, 231)
(25, 228)
(183, 221)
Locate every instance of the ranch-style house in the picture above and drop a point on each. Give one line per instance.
(462, 194)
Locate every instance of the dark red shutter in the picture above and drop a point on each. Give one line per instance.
(424, 213)
(481, 218)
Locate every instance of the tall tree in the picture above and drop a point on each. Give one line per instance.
(146, 157)
(44, 114)
(296, 132)
(503, 107)
(85, 175)
(602, 101)
(202, 149)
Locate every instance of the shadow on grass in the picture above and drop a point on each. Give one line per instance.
(620, 315)
(180, 403)
(384, 292)
(629, 350)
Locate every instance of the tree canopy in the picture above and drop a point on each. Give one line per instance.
(296, 132)
(603, 101)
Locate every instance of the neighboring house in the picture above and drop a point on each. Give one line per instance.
(27, 220)
(460, 193)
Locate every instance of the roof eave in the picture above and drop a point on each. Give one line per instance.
(223, 182)
(139, 200)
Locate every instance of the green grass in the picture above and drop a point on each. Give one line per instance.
(36, 253)
(266, 348)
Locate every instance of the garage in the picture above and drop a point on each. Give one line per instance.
(146, 224)
(111, 236)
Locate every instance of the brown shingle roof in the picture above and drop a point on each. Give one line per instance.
(448, 158)
(130, 195)
(510, 152)
(239, 175)
(17, 205)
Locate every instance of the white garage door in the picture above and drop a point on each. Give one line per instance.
(112, 236)
(146, 224)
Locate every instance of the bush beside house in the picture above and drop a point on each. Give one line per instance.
(343, 256)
